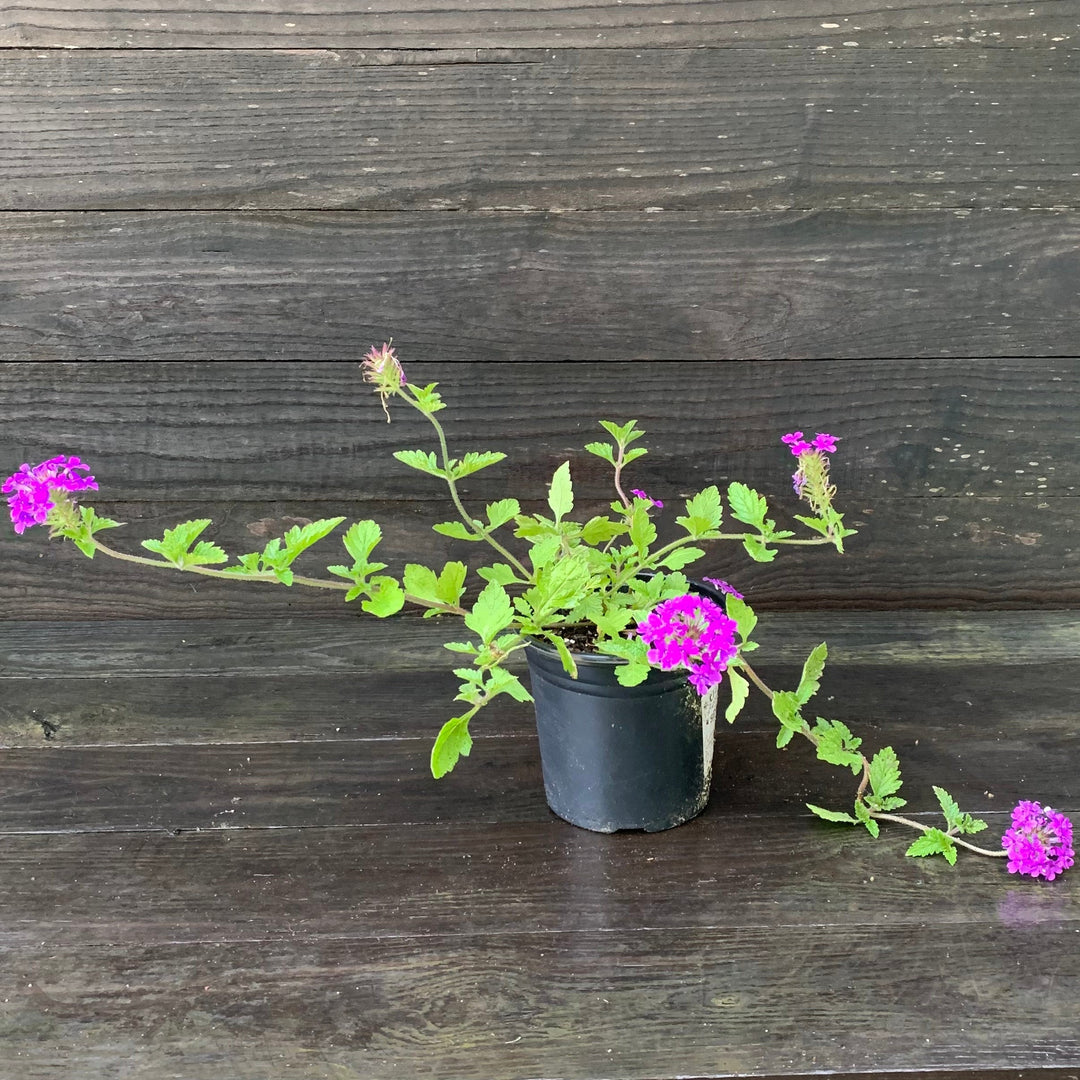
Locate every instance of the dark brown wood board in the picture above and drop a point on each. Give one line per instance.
(456, 929)
(652, 129)
(543, 23)
(562, 286)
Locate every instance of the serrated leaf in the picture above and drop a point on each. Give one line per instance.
(599, 530)
(568, 662)
(360, 539)
(461, 647)
(933, 842)
(743, 614)
(681, 557)
(948, 807)
(387, 597)
(491, 613)
(422, 460)
(704, 508)
(506, 682)
(420, 581)
(601, 450)
(740, 691)
(885, 773)
(783, 737)
(816, 524)
(832, 815)
(747, 505)
(299, 539)
(498, 572)
(499, 513)
(455, 529)
(811, 674)
(543, 551)
(757, 550)
(452, 742)
(474, 462)
(173, 546)
(561, 492)
(632, 674)
(204, 554)
(642, 530)
(634, 454)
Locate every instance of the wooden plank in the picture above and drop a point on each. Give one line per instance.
(385, 782)
(280, 433)
(740, 1001)
(945, 553)
(507, 878)
(537, 130)
(542, 23)
(490, 286)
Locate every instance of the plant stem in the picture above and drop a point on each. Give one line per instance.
(927, 828)
(880, 815)
(459, 506)
(268, 576)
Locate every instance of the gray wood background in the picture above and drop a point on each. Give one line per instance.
(723, 188)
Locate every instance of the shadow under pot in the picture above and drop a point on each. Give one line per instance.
(621, 757)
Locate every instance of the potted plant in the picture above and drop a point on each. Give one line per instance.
(627, 655)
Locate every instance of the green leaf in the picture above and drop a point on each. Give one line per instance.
(832, 815)
(632, 674)
(933, 842)
(455, 529)
(681, 557)
(757, 550)
(427, 398)
(601, 450)
(452, 742)
(499, 513)
(560, 584)
(299, 539)
(360, 540)
(544, 551)
(473, 462)
(599, 530)
(387, 597)
(561, 492)
(568, 662)
(642, 530)
(623, 435)
(885, 773)
(817, 524)
(506, 682)
(836, 745)
(862, 812)
(501, 573)
(703, 513)
(740, 691)
(811, 674)
(785, 707)
(743, 614)
(491, 613)
(423, 460)
(747, 505)
(175, 544)
(955, 819)
(461, 647)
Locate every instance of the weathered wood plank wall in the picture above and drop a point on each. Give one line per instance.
(694, 182)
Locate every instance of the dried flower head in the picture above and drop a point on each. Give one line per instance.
(381, 367)
(1039, 843)
(31, 491)
(691, 632)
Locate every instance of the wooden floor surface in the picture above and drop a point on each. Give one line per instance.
(221, 856)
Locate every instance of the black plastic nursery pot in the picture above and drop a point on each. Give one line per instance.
(616, 757)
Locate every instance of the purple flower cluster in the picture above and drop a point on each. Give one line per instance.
(823, 442)
(690, 632)
(724, 587)
(644, 495)
(1040, 841)
(29, 489)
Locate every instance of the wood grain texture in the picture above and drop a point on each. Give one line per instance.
(959, 553)
(396, 24)
(538, 130)
(491, 286)
(961, 479)
(740, 1000)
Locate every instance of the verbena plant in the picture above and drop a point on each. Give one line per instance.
(607, 577)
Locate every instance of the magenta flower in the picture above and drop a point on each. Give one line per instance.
(797, 443)
(644, 495)
(724, 587)
(691, 632)
(1039, 843)
(29, 490)
(825, 443)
